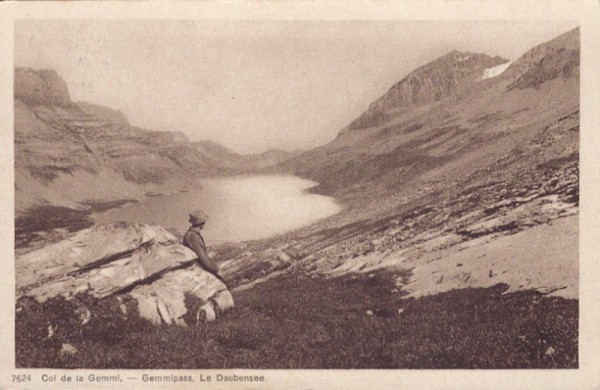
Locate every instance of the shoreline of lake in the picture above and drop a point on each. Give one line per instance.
(240, 208)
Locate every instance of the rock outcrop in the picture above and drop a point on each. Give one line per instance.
(122, 260)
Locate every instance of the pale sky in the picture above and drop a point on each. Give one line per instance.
(253, 85)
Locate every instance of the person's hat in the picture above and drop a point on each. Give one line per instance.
(198, 216)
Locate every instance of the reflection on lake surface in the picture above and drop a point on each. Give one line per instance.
(239, 208)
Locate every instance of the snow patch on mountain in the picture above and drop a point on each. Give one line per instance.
(495, 70)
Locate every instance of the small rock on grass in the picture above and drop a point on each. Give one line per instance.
(68, 349)
(83, 314)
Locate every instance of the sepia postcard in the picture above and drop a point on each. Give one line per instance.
(310, 195)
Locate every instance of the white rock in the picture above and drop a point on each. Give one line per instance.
(147, 261)
(223, 300)
(163, 311)
(147, 306)
(84, 315)
(68, 349)
(89, 270)
(50, 332)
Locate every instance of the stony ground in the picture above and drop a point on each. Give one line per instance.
(507, 198)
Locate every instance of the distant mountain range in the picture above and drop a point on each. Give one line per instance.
(69, 153)
(446, 120)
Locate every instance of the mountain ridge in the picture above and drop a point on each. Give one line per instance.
(469, 191)
(72, 153)
(558, 57)
(430, 82)
(451, 132)
(43, 87)
(432, 142)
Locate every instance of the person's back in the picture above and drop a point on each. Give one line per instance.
(193, 239)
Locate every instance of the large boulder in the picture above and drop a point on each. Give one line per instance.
(146, 263)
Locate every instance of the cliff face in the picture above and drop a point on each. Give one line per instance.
(66, 155)
(431, 82)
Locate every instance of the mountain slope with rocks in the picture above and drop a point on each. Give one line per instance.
(443, 141)
(497, 159)
(229, 162)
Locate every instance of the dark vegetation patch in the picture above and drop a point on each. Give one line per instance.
(146, 176)
(412, 128)
(558, 163)
(355, 321)
(39, 223)
(254, 272)
(406, 129)
(50, 172)
(485, 118)
(101, 206)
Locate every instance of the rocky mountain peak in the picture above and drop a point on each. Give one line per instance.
(41, 87)
(558, 58)
(433, 81)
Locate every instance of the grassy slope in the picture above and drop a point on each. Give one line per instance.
(319, 324)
